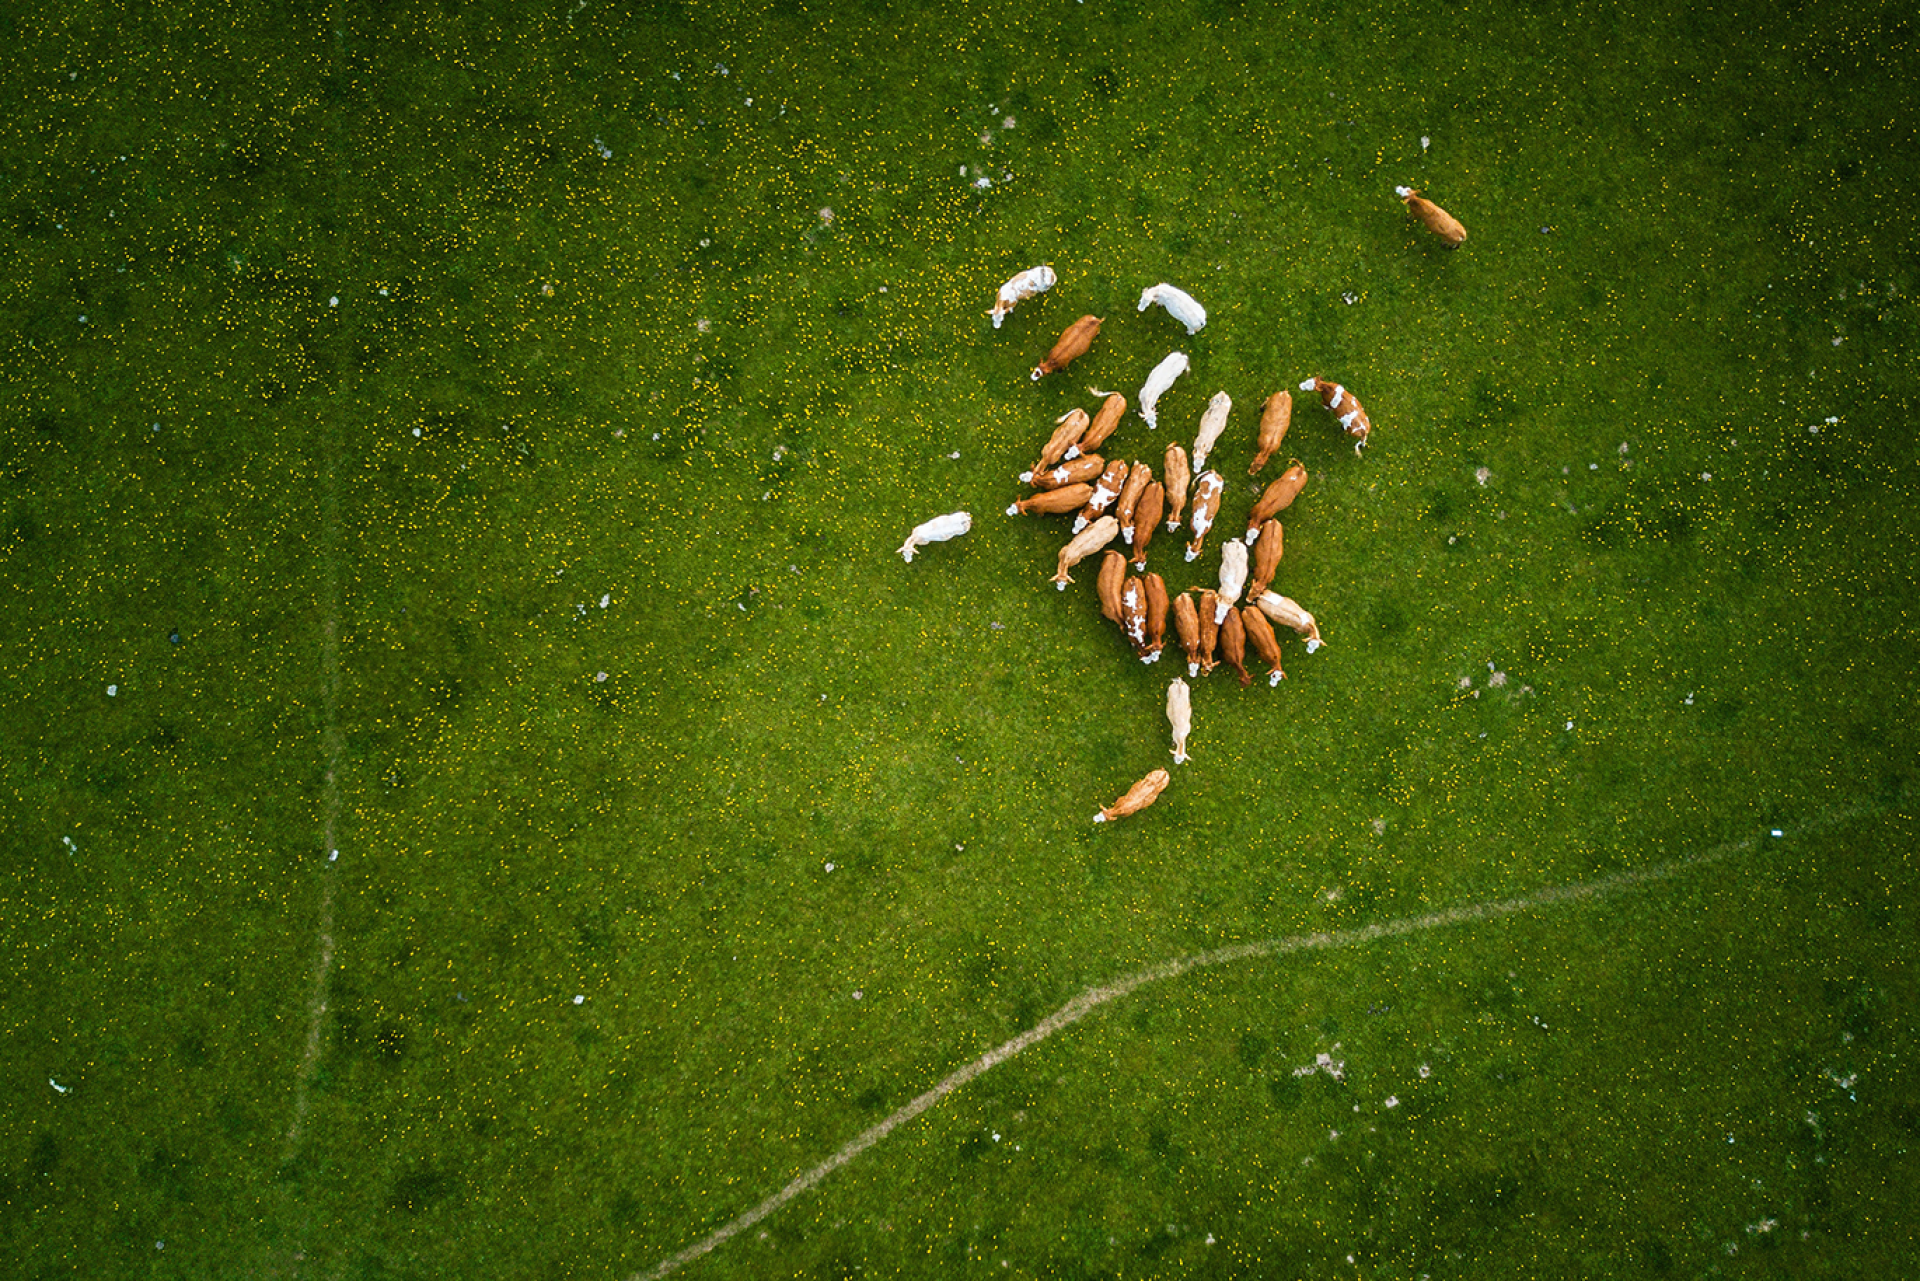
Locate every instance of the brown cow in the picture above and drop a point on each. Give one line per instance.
(1053, 502)
(1063, 444)
(1186, 625)
(1278, 497)
(1265, 643)
(1138, 797)
(1266, 558)
(1353, 419)
(1273, 428)
(1138, 478)
(1133, 615)
(1073, 344)
(1086, 467)
(1146, 514)
(1109, 415)
(1105, 490)
(1209, 629)
(1156, 617)
(1113, 572)
(1206, 505)
(1432, 216)
(1233, 646)
(1178, 476)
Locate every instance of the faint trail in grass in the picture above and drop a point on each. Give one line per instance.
(1093, 998)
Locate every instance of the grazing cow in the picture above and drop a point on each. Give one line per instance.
(1209, 629)
(1133, 615)
(1034, 280)
(1233, 646)
(1073, 344)
(1212, 423)
(1146, 514)
(1273, 428)
(1179, 304)
(1105, 490)
(1113, 572)
(1179, 476)
(1288, 613)
(1112, 409)
(1085, 467)
(937, 530)
(1156, 385)
(1267, 551)
(1180, 717)
(1053, 502)
(1353, 419)
(1432, 216)
(1138, 797)
(1138, 478)
(1063, 444)
(1279, 496)
(1156, 617)
(1265, 643)
(1233, 577)
(1085, 543)
(1206, 504)
(1186, 625)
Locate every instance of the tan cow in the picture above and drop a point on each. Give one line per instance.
(1209, 630)
(1072, 345)
(1180, 717)
(1233, 646)
(1278, 497)
(1273, 428)
(1087, 467)
(1266, 558)
(1432, 216)
(1053, 502)
(1156, 617)
(1112, 409)
(1233, 577)
(1212, 423)
(1138, 797)
(1206, 505)
(1288, 613)
(1353, 419)
(1178, 477)
(1146, 514)
(1113, 572)
(1138, 478)
(1086, 543)
(1186, 625)
(1105, 490)
(1063, 444)
(1265, 643)
(1034, 280)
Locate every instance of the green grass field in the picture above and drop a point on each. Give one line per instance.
(474, 440)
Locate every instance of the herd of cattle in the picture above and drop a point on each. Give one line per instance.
(1124, 500)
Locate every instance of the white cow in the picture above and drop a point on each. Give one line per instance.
(1212, 423)
(1157, 383)
(937, 530)
(1034, 280)
(1233, 577)
(1179, 304)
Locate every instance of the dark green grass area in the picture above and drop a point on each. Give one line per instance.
(483, 434)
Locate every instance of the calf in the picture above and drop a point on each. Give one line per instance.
(1180, 717)
(1212, 423)
(1179, 476)
(1179, 304)
(1186, 625)
(1156, 385)
(1206, 504)
(1353, 419)
(1273, 428)
(1288, 613)
(1138, 797)
(1146, 514)
(1266, 558)
(1265, 643)
(1432, 216)
(1034, 280)
(1111, 481)
(1138, 478)
(1112, 409)
(937, 530)
(1064, 443)
(1233, 577)
(1053, 502)
(1072, 345)
(1085, 543)
(1278, 497)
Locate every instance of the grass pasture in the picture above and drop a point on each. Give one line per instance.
(474, 440)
